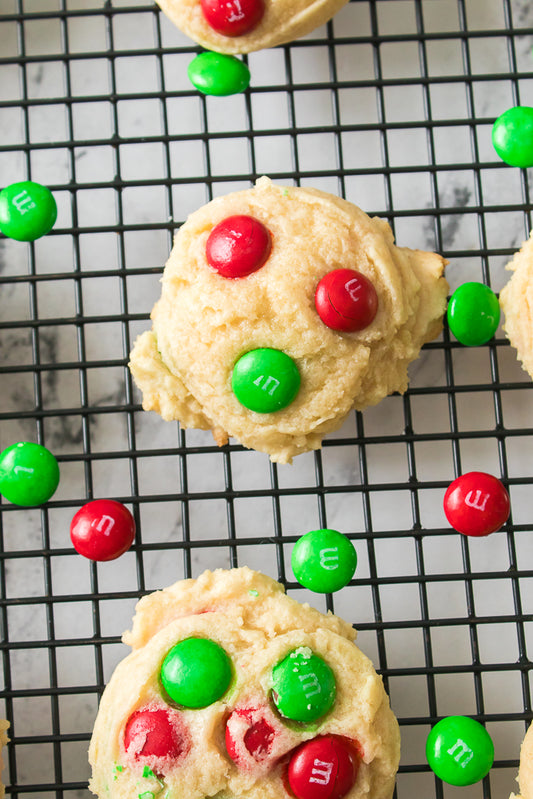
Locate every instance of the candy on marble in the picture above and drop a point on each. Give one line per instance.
(29, 473)
(218, 74)
(238, 246)
(233, 17)
(473, 313)
(323, 768)
(346, 300)
(27, 211)
(102, 530)
(459, 750)
(324, 560)
(512, 136)
(265, 380)
(476, 504)
(303, 686)
(196, 672)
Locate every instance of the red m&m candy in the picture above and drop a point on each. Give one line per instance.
(258, 735)
(155, 732)
(476, 504)
(323, 768)
(102, 530)
(346, 300)
(238, 246)
(233, 17)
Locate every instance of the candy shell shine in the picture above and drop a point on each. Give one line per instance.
(196, 672)
(459, 750)
(294, 686)
(324, 560)
(265, 380)
(323, 768)
(29, 474)
(512, 136)
(232, 17)
(219, 75)
(473, 314)
(102, 530)
(476, 504)
(27, 211)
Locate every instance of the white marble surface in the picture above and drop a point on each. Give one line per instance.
(482, 209)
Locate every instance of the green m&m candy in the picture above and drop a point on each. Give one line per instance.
(265, 380)
(512, 136)
(459, 750)
(473, 314)
(29, 474)
(196, 672)
(217, 74)
(324, 560)
(27, 211)
(303, 686)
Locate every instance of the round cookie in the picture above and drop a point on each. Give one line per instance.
(525, 771)
(205, 322)
(145, 745)
(516, 301)
(281, 21)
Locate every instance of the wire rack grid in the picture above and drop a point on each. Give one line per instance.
(389, 105)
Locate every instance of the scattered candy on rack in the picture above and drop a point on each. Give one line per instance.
(303, 686)
(265, 380)
(217, 74)
(29, 473)
(27, 211)
(238, 246)
(473, 314)
(512, 136)
(459, 750)
(324, 560)
(346, 300)
(196, 672)
(102, 530)
(233, 17)
(323, 768)
(476, 504)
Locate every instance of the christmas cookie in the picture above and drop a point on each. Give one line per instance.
(516, 300)
(242, 26)
(282, 309)
(525, 771)
(235, 690)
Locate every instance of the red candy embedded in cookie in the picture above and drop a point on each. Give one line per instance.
(323, 768)
(346, 300)
(238, 246)
(476, 504)
(258, 737)
(152, 733)
(233, 17)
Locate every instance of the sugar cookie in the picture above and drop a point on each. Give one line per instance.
(268, 330)
(516, 300)
(235, 689)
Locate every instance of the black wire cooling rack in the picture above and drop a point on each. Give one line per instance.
(390, 105)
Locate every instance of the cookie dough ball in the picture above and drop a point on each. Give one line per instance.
(242, 26)
(525, 771)
(206, 320)
(4, 726)
(296, 680)
(516, 300)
